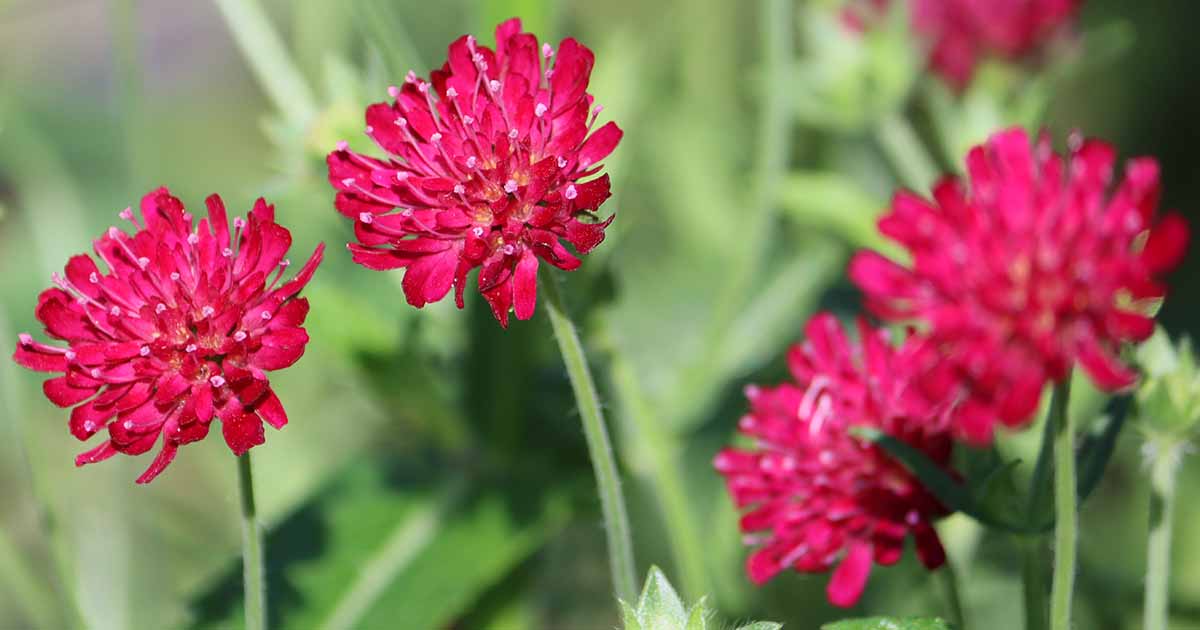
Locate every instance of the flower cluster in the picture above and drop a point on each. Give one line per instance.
(490, 166)
(959, 33)
(180, 329)
(817, 495)
(1027, 268)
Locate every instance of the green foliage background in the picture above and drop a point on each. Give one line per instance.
(433, 474)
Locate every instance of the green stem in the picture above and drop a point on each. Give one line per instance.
(1033, 579)
(269, 60)
(1163, 467)
(661, 448)
(608, 482)
(1065, 509)
(906, 153)
(252, 551)
(949, 580)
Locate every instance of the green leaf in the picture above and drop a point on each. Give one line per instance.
(762, 625)
(380, 544)
(659, 608)
(889, 623)
(1096, 449)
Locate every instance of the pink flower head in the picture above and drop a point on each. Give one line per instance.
(487, 167)
(959, 33)
(819, 497)
(1033, 264)
(181, 328)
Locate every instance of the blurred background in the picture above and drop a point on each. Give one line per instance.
(434, 474)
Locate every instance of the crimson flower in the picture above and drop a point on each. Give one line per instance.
(182, 328)
(486, 168)
(820, 496)
(1028, 267)
(959, 33)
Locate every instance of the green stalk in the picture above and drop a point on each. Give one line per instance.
(252, 551)
(608, 482)
(949, 580)
(1163, 466)
(1033, 581)
(1065, 508)
(661, 448)
(906, 153)
(269, 60)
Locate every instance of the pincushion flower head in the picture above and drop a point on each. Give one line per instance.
(1034, 263)
(180, 330)
(491, 164)
(820, 498)
(960, 33)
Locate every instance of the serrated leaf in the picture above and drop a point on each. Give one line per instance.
(380, 544)
(698, 618)
(659, 607)
(889, 623)
(762, 625)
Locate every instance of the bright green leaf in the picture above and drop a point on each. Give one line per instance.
(889, 623)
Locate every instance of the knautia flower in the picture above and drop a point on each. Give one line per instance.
(1034, 264)
(491, 164)
(180, 329)
(960, 33)
(818, 496)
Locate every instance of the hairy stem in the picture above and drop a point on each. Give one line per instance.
(1164, 464)
(1065, 509)
(608, 482)
(252, 551)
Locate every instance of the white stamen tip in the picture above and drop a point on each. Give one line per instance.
(451, 93)
(342, 145)
(81, 300)
(175, 276)
(459, 189)
(509, 249)
(89, 426)
(469, 120)
(193, 238)
(126, 214)
(115, 311)
(113, 232)
(512, 134)
(349, 181)
(239, 223)
(436, 137)
(95, 372)
(494, 85)
(366, 217)
(547, 51)
(143, 261)
(265, 315)
(239, 335)
(191, 347)
(207, 311)
(144, 351)
(571, 192)
(285, 262)
(540, 110)
(217, 381)
(70, 355)
(510, 186)
(25, 338)
(422, 87)
(369, 130)
(160, 308)
(472, 161)
(407, 212)
(411, 77)
(128, 425)
(596, 110)
(401, 175)
(400, 121)
(393, 91)
(562, 162)
(228, 253)
(478, 231)
(471, 42)
(93, 278)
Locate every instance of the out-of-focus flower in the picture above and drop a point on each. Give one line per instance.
(1168, 399)
(1030, 266)
(820, 496)
(487, 167)
(959, 33)
(180, 329)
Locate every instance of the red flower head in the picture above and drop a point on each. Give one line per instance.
(1026, 268)
(960, 32)
(181, 328)
(486, 167)
(820, 496)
